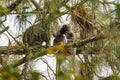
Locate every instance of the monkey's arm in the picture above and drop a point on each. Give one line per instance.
(65, 41)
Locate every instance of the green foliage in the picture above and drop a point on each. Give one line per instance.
(3, 10)
(92, 17)
(9, 73)
(35, 76)
(117, 9)
(39, 53)
(112, 77)
(5, 29)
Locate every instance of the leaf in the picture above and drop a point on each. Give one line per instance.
(61, 48)
(39, 53)
(5, 29)
(9, 73)
(50, 50)
(58, 48)
(63, 76)
(35, 75)
(112, 77)
(3, 9)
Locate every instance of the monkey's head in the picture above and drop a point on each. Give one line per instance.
(64, 35)
(65, 29)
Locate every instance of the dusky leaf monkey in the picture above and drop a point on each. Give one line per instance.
(34, 35)
(64, 35)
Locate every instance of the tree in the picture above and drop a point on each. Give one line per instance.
(93, 50)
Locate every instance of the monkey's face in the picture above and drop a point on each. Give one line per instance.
(70, 37)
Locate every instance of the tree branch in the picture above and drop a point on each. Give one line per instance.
(87, 40)
(35, 52)
(36, 5)
(13, 5)
(20, 51)
(39, 51)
